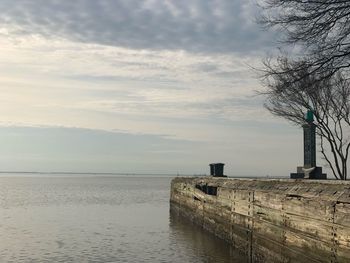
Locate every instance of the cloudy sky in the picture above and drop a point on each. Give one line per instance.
(161, 86)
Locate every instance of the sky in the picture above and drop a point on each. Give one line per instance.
(151, 86)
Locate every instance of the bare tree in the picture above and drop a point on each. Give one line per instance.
(320, 27)
(327, 97)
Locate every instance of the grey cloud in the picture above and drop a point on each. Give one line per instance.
(198, 26)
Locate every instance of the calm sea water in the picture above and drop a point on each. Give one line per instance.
(98, 219)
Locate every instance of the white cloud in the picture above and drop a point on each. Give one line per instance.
(46, 79)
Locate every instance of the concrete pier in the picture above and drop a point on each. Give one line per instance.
(271, 220)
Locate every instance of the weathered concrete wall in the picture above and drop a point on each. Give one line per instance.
(271, 220)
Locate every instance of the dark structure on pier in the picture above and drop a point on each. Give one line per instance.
(217, 169)
(310, 170)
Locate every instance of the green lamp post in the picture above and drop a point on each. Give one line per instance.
(309, 117)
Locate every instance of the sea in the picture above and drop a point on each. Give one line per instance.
(99, 218)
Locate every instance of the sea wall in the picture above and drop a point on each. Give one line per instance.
(270, 220)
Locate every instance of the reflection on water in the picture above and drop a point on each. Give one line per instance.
(98, 219)
(203, 246)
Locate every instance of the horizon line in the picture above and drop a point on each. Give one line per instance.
(100, 173)
(137, 174)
